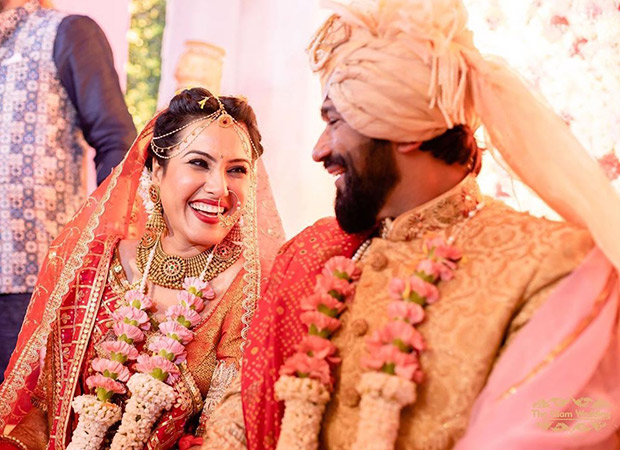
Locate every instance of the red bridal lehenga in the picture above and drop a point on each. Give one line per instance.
(82, 283)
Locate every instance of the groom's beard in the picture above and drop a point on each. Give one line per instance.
(365, 192)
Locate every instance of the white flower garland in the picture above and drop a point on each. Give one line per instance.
(95, 419)
(150, 394)
(305, 400)
(382, 398)
(149, 399)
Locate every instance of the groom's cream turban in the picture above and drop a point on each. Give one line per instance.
(407, 70)
(396, 70)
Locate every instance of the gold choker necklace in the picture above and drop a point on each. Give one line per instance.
(170, 271)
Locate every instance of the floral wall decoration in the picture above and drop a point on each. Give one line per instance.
(568, 50)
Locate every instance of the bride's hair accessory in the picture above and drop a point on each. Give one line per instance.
(220, 115)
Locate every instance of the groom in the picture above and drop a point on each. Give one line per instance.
(499, 329)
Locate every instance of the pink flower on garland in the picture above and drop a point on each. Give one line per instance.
(336, 287)
(138, 300)
(437, 270)
(323, 303)
(133, 316)
(176, 331)
(168, 348)
(318, 347)
(200, 288)
(120, 351)
(128, 333)
(111, 369)
(184, 315)
(158, 367)
(191, 301)
(100, 381)
(389, 359)
(319, 324)
(341, 267)
(304, 366)
(408, 311)
(424, 289)
(413, 289)
(399, 334)
(438, 247)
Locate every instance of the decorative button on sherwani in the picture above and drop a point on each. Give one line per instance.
(350, 397)
(378, 261)
(359, 327)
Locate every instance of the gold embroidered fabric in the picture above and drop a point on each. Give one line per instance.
(217, 338)
(225, 428)
(511, 263)
(222, 378)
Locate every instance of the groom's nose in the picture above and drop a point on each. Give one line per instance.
(321, 149)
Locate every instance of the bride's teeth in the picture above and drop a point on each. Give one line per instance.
(212, 209)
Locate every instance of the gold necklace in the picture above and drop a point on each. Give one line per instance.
(170, 271)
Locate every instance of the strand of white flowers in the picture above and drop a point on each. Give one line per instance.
(149, 399)
(147, 268)
(95, 417)
(382, 397)
(304, 404)
(209, 259)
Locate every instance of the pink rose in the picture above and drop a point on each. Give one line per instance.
(100, 381)
(199, 288)
(397, 333)
(128, 333)
(319, 323)
(438, 247)
(304, 366)
(168, 348)
(176, 331)
(323, 303)
(408, 311)
(184, 315)
(132, 316)
(120, 351)
(389, 359)
(336, 287)
(341, 267)
(423, 289)
(158, 367)
(138, 300)
(318, 347)
(398, 289)
(441, 269)
(413, 289)
(111, 369)
(191, 301)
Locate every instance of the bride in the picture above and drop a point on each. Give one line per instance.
(136, 326)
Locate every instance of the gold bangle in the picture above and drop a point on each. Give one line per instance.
(13, 440)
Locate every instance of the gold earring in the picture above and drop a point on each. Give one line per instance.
(156, 222)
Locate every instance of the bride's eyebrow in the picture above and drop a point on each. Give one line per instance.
(205, 154)
(239, 160)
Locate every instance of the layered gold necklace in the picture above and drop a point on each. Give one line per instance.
(169, 270)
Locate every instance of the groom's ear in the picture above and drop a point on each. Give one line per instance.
(406, 147)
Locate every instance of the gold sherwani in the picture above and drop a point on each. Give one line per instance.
(511, 263)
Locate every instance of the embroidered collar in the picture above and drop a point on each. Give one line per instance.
(441, 212)
(11, 18)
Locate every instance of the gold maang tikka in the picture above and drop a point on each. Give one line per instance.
(223, 119)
